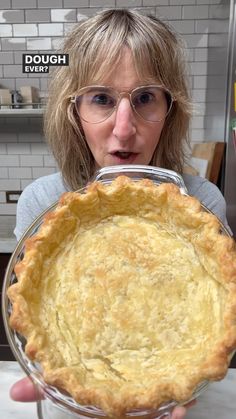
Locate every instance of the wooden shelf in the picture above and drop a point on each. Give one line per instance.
(21, 112)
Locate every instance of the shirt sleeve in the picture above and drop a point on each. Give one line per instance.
(36, 198)
(28, 209)
(211, 197)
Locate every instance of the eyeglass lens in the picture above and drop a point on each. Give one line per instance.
(96, 104)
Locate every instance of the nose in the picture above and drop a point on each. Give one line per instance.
(125, 123)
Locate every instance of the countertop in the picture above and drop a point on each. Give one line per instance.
(217, 402)
(7, 244)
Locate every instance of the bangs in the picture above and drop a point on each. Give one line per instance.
(96, 48)
(100, 49)
(103, 64)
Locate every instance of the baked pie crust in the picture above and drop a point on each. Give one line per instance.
(127, 296)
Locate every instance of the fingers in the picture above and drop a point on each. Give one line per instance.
(25, 390)
(178, 412)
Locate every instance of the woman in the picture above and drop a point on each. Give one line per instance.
(101, 51)
(123, 99)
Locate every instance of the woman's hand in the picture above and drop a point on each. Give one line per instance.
(24, 390)
(180, 412)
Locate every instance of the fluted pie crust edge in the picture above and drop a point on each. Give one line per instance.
(126, 296)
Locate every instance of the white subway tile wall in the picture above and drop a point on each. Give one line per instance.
(63, 15)
(25, 29)
(39, 26)
(5, 30)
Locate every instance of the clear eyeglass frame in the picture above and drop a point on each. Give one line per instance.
(170, 99)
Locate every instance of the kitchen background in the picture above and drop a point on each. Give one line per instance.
(39, 26)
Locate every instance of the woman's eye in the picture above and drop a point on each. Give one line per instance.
(144, 98)
(103, 100)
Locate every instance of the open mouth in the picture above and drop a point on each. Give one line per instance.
(123, 154)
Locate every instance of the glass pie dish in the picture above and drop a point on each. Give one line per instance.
(58, 403)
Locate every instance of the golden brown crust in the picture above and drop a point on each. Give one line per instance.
(127, 296)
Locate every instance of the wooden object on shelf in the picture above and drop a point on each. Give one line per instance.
(213, 153)
(5, 99)
(30, 95)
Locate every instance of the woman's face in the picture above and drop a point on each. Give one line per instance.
(123, 138)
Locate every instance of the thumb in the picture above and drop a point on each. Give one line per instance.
(178, 412)
(25, 390)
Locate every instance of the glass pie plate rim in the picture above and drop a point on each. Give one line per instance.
(17, 342)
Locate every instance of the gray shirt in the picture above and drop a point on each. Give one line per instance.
(46, 190)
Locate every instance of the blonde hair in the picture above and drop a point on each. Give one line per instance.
(94, 47)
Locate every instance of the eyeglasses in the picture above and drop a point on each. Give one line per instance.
(94, 104)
